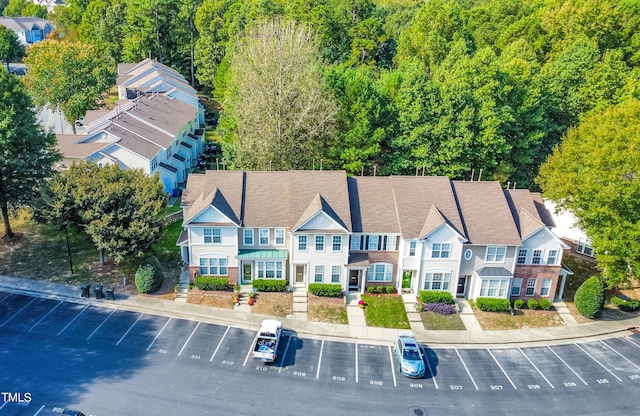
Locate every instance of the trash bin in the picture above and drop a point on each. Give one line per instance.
(98, 291)
(86, 290)
(108, 291)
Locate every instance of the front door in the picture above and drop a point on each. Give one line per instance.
(354, 284)
(246, 272)
(406, 279)
(462, 286)
(299, 273)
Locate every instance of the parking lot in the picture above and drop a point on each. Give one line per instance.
(205, 347)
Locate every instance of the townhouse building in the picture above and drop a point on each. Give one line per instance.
(472, 239)
(158, 129)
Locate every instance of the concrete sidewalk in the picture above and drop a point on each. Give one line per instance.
(357, 332)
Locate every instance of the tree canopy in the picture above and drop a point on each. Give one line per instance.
(594, 174)
(10, 48)
(117, 208)
(27, 153)
(70, 75)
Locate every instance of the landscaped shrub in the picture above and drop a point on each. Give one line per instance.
(212, 283)
(545, 304)
(434, 296)
(532, 304)
(326, 290)
(518, 303)
(628, 305)
(589, 297)
(440, 308)
(270, 285)
(149, 275)
(493, 304)
(389, 289)
(370, 289)
(379, 289)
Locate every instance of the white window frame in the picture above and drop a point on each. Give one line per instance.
(215, 266)
(440, 249)
(545, 288)
(270, 269)
(335, 274)
(552, 257)
(412, 248)
(531, 287)
(355, 242)
(247, 236)
(337, 242)
(537, 257)
(318, 272)
(516, 286)
(215, 234)
(522, 255)
(301, 243)
(279, 235)
(494, 288)
(261, 236)
(437, 280)
(495, 254)
(319, 242)
(372, 239)
(380, 272)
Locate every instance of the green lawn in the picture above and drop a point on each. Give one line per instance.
(582, 270)
(171, 209)
(437, 322)
(386, 311)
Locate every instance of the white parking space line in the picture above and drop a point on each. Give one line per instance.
(5, 403)
(188, 339)
(39, 410)
(629, 361)
(465, 367)
(76, 317)
(631, 341)
(503, 372)
(356, 362)
(129, 330)
(2, 300)
(20, 310)
(593, 358)
(433, 376)
(568, 366)
(536, 367)
(100, 326)
(219, 343)
(251, 348)
(47, 314)
(158, 334)
(284, 355)
(393, 370)
(320, 359)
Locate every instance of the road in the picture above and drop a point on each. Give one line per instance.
(107, 361)
(54, 120)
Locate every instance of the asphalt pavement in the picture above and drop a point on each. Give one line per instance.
(370, 335)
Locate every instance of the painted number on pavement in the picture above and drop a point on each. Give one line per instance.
(338, 378)
(227, 362)
(375, 382)
(496, 387)
(455, 387)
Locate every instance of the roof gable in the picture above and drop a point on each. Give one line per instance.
(202, 207)
(529, 224)
(434, 221)
(314, 211)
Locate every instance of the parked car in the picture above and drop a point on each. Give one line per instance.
(409, 356)
(266, 346)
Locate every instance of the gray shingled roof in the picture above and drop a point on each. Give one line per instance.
(486, 213)
(372, 205)
(135, 143)
(524, 211)
(414, 196)
(494, 272)
(138, 128)
(170, 115)
(67, 144)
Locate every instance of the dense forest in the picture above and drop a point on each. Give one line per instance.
(398, 86)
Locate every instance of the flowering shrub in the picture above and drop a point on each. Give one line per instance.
(440, 308)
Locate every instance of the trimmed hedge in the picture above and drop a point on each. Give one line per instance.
(493, 304)
(628, 305)
(270, 285)
(149, 275)
(589, 297)
(434, 296)
(440, 308)
(518, 303)
(212, 283)
(532, 304)
(326, 290)
(545, 304)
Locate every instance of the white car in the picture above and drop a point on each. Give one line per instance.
(409, 355)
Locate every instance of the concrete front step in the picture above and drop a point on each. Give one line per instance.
(299, 307)
(414, 317)
(299, 300)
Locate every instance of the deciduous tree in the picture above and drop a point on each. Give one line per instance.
(69, 75)
(594, 174)
(27, 153)
(10, 48)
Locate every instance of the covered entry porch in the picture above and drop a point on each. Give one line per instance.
(357, 272)
(261, 264)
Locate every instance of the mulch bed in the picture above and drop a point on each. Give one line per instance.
(214, 298)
